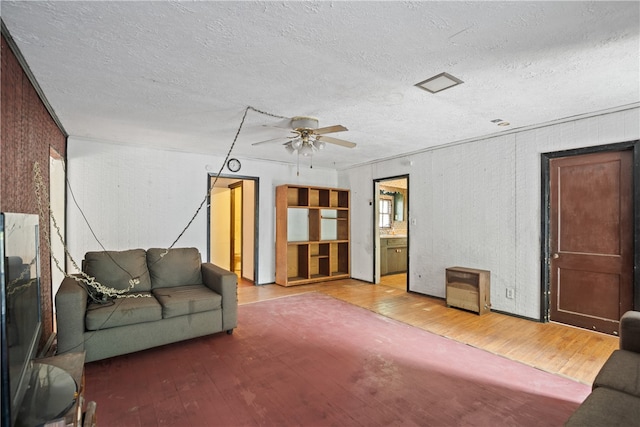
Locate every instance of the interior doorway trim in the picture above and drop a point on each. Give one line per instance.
(545, 273)
(57, 205)
(376, 231)
(256, 216)
(237, 225)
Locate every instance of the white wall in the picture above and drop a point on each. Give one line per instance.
(477, 204)
(136, 197)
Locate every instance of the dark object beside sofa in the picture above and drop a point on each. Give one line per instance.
(615, 398)
(177, 298)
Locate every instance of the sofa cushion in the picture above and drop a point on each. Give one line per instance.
(187, 299)
(123, 311)
(115, 268)
(175, 267)
(606, 407)
(621, 372)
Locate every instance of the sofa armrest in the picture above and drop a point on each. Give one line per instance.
(71, 306)
(630, 331)
(225, 283)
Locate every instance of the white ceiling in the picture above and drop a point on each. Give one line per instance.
(179, 75)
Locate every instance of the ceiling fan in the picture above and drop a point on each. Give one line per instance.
(308, 138)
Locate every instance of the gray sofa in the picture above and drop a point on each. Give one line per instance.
(615, 396)
(175, 297)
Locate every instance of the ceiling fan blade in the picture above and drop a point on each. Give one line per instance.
(280, 138)
(329, 129)
(280, 124)
(270, 140)
(336, 141)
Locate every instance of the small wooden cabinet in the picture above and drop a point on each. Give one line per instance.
(468, 288)
(312, 234)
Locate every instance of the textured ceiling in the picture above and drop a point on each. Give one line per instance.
(179, 75)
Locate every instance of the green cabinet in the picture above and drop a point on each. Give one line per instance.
(393, 255)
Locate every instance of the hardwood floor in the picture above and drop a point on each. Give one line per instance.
(398, 281)
(559, 349)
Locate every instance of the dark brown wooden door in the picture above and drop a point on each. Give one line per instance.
(591, 253)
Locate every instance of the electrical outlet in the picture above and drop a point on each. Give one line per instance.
(510, 293)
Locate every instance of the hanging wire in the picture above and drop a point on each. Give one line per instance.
(89, 281)
(39, 190)
(204, 200)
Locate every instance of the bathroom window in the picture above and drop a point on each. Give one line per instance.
(384, 221)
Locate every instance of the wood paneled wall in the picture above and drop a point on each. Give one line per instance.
(27, 133)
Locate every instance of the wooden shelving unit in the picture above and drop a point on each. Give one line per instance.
(312, 234)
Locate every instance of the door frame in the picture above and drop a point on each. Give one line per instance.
(256, 216)
(58, 206)
(545, 263)
(376, 231)
(232, 187)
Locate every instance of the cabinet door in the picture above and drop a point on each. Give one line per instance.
(396, 259)
(402, 262)
(383, 261)
(392, 260)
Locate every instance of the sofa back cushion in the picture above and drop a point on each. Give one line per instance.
(115, 268)
(174, 267)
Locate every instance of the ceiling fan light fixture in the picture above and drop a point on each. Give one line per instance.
(306, 150)
(307, 137)
(439, 83)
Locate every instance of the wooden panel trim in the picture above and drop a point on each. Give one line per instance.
(545, 285)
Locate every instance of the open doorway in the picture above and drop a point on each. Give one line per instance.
(391, 231)
(233, 220)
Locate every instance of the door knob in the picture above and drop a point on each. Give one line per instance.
(556, 256)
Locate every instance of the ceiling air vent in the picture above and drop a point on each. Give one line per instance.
(439, 83)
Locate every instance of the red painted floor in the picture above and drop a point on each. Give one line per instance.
(311, 360)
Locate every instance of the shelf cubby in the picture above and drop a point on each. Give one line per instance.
(297, 196)
(297, 262)
(339, 259)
